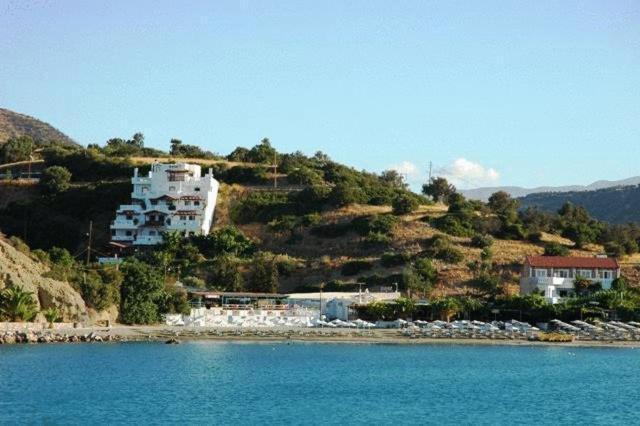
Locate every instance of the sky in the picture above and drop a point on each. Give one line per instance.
(523, 93)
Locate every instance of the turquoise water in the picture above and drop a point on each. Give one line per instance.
(257, 383)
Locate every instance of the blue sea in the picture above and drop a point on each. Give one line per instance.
(317, 383)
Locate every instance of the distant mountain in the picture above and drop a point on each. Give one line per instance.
(13, 124)
(620, 204)
(483, 194)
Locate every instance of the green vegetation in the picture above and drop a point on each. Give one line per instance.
(54, 179)
(17, 305)
(555, 249)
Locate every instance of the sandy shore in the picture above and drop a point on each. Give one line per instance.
(162, 333)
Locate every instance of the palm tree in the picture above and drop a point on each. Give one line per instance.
(17, 305)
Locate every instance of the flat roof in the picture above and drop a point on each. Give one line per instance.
(237, 294)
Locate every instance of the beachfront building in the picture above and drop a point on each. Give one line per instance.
(172, 197)
(554, 276)
(340, 304)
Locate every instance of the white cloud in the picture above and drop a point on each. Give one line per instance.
(406, 168)
(469, 174)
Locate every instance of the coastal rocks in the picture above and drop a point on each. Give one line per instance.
(20, 337)
(173, 341)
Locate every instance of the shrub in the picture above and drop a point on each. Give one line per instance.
(481, 241)
(331, 230)
(354, 267)
(440, 248)
(54, 179)
(454, 225)
(555, 249)
(17, 304)
(223, 241)
(381, 224)
(194, 282)
(375, 239)
(404, 204)
(391, 259)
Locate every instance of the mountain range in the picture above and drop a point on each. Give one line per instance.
(483, 194)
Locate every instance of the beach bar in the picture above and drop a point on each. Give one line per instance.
(237, 300)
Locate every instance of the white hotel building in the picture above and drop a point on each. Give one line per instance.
(173, 197)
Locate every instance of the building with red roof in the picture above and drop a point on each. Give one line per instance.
(554, 276)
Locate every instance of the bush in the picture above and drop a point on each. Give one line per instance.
(404, 204)
(440, 248)
(391, 259)
(375, 239)
(331, 230)
(454, 225)
(54, 179)
(381, 224)
(193, 282)
(481, 241)
(555, 249)
(354, 267)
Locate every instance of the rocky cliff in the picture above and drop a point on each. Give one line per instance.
(23, 271)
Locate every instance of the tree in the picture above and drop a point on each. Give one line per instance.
(16, 149)
(264, 274)
(262, 153)
(404, 204)
(224, 241)
(447, 307)
(51, 315)
(54, 180)
(555, 249)
(225, 274)
(504, 206)
(141, 292)
(345, 193)
(581, 285)
(438, 188)
(394, 179)
(17, 304)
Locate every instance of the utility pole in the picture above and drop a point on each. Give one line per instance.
(430, 167)
(89, 242)
(275, 170)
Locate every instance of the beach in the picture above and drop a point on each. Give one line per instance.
(177, 334)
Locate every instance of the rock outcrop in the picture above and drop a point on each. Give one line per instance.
(27, 273)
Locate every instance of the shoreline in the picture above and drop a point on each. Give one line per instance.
(175, 335)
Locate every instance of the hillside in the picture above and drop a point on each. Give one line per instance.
(615, 205)
(19, 268)
(13, 124)
(483, 194)
(325, 225)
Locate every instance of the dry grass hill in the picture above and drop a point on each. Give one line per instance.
(13, 124)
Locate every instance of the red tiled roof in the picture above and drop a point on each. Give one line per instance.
(572, 262)
(191, 197)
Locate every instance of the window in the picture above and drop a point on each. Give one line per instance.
(172, 188)
(114, 232)
(152, 233)
(192, 218)
(585, 273)
(607, 275)
(540, 273)
(197, 189)
(154, 202)
(561, 273)
(187, 203)
(128, 233)
(183, 218)
(196, 203)
(168, 222)
(129, 217)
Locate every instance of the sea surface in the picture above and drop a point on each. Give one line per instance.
(317, 383)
